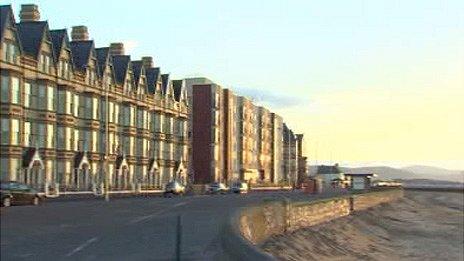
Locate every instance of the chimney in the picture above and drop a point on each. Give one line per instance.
(29, 13)
(117, 49)
(79, 33)
(147, 61)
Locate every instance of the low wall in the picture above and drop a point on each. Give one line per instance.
(252, 226)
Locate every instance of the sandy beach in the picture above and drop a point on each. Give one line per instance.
(421, 226)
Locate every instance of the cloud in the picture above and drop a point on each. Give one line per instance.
(270, 97)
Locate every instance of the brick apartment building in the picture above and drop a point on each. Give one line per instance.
(233, 139)
(73, 114)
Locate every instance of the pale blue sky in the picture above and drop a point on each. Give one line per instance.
(305, 51)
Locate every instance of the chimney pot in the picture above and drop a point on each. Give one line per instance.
(79, 33)
(117, 49)
(29, 12)
(147, 62)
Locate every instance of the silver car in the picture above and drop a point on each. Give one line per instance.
(174, 188)
(217, 187)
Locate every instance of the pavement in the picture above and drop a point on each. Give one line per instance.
(134, 228)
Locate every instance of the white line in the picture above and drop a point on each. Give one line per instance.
(143, 218)
(79, 248)
(180, 204)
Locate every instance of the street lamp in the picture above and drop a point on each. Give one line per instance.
(107, 172)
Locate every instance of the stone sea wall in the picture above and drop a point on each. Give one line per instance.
(252, 226)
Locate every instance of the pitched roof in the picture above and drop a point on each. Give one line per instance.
(31, 34)
(58, 37)
(121, 65)
(5, 14)
(81, 52)
(103, 57)
(324, 169)
(137, 69)
(165, 82)
(152, 75)
(177, 85)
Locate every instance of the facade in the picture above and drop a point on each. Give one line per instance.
(233, 139)
(301, 160)
(74, 116)
(277, 149)
(265, 141)
(290, 164)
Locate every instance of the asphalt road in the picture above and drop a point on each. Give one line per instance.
(123, 229)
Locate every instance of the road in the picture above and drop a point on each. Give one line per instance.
(123, 229)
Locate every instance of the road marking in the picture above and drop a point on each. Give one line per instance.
(84, 245)
(180, 204)
(143, 218)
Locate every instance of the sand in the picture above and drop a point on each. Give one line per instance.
(421, 226)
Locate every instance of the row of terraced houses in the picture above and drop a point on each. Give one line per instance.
(75, 116)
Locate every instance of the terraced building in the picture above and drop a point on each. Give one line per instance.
(73, 115)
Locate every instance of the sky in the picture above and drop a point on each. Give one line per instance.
(367, 82)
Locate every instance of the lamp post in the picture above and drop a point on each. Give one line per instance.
(107, 172)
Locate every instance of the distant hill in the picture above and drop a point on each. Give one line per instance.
(412, 172)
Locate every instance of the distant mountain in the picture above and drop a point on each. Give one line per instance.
(412, 172)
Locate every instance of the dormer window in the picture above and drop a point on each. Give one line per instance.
(108, 80)
(63, 69)
(10, 52)
(91, 77)
(44, 62)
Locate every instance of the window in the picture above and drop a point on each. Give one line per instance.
(76, 140)
(67, 138)
(116, 113)
(10, 52)
(76, 105)
(5, 131)
(50, 136)
(140, 119)
(41, 96)
(15, 90)
(40, 136)
(14, 131)
(5, 90)
(4, 172)
(50, 98)
(95, 108)
(44, 63)
(27, 134)
(60, 137)
(94, 147)
(27, 94)
(64, 101)
(132, 116)
(157, 121)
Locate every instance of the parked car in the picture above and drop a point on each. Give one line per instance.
(239, 187)
(15, 193)
(175, 188)
(217, 187)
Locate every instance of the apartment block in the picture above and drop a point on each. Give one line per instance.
(234, 139)
(277, 149)
(73, 115)
(289, 156)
